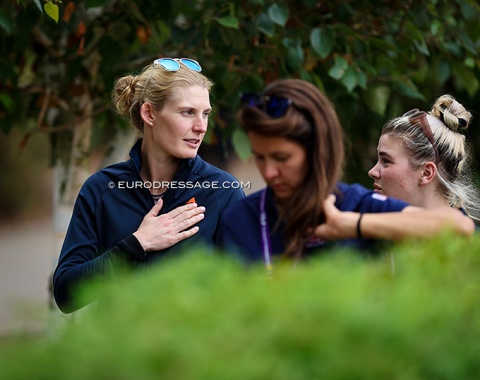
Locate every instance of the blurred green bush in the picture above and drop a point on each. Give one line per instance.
(413, 313)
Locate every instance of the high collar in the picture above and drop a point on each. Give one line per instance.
(135, 155)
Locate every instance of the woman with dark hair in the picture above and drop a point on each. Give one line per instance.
(297, 142)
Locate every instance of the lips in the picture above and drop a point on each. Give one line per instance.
(193, 142)
(377, 188)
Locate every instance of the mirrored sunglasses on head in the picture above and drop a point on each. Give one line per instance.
(173, 64)
(274, 106)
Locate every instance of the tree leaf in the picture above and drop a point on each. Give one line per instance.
(278, 14)
(339, 67)
(443, 71)
(376, 98)
(39, 5)
(5, 23)
(241, 144)
(405, 86)
(228, 21)
(265, 25)
(361, 78)
(421, 46)
(349, 80)
(295, 53)
(322, 41)
(466, 78)
(51, 10)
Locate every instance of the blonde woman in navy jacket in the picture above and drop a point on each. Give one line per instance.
(297, 144)
(164, 199)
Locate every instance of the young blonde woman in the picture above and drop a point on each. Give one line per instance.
(423, 158)
(162, 199)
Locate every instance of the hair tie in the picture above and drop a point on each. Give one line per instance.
(462, 122)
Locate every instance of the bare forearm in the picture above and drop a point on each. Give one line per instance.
(415, 223)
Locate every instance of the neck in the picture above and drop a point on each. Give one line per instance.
(157, 167)
(433, 200)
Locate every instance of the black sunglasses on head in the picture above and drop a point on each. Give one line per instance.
(274, 106)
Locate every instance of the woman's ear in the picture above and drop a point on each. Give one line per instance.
(146, 113)
(428, 174)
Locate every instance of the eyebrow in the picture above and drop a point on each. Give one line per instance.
(382, 153)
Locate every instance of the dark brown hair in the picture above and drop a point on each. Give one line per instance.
(313, 123)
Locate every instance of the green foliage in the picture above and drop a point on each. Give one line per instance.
(336, 317)
(371, 58)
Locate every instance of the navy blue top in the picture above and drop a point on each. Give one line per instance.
(239, 232)
(109, 209)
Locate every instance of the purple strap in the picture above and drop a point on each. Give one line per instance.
(266, 244)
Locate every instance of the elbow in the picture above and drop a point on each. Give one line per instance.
(464, 225)
(62, 296)
(469, 228)
(63, 304)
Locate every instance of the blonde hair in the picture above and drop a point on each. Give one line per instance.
(446, 119)
(154, 85)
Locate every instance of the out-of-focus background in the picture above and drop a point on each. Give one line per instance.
(26, 233)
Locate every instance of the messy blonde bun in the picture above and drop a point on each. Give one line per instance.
(451, 113)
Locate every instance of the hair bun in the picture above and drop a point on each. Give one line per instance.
(451, 113)
(123, 93)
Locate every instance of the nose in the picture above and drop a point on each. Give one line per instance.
(374, 172)
(270, 170)
(201, 125)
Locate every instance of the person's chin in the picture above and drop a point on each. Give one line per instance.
(282, 194)
(186, 154)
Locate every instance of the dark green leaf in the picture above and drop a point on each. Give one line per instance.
(453, 48)
(361, 78)
(405, 86)
(376, 98)
(278, 13)
(265, 25)
(322, 41)
(317, 81)
(7, 102)
(414, 32)
(228, 21)
(466, 79)
(367, 66)
(381, 44)
(421, 46)
(295, 57)
(468, 43)
(443, 70)
(5, 22)
(435, 27)
(349, 80)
